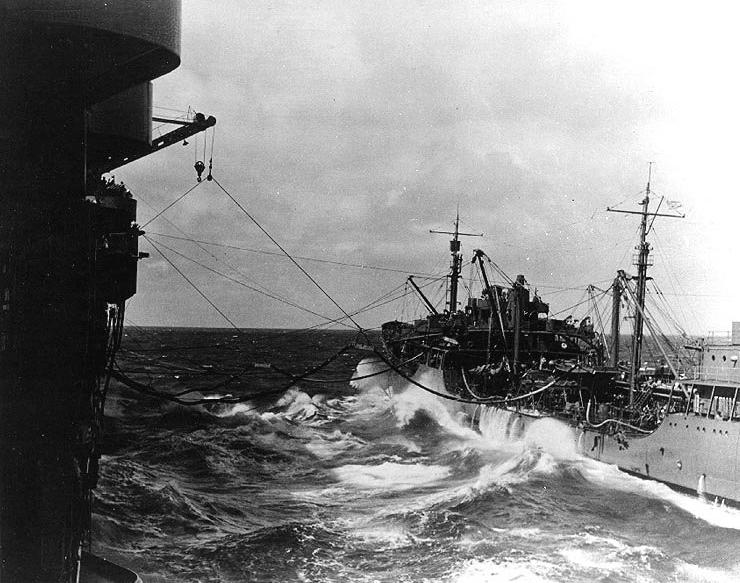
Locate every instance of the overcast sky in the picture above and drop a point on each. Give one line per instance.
(349, 129)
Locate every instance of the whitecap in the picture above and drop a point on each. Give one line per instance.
(413, 399)
(372, 373)
(384, 537)
(330, 495)
(593, 559)
(486, 570)
(299, 406)
(391, 475)
(244, 409)
(690, 573)
(527, 533)
(517, 469)
(552, 436)
(371, 400)
(328, 445)
(509, 429)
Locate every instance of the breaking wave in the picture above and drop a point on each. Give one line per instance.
(389, 476)
(379, 481)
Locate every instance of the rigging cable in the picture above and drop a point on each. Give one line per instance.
(570, 309)
(210, 160)
(598, 316)
(232, 268)
(271, 296)
(499, 313)
(405, 301)
(178, 199)
(205, 142)
(675, 282)
(275, 253)
(185, 277)
(248, 215)
(606, 308)
(655, 215)
(213, 305)
(500, 271)
(665, 309)
(377, 303)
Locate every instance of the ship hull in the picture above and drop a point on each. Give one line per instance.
(694, 452)
(688, 452)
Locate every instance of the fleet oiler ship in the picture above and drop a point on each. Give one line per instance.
(503, 357)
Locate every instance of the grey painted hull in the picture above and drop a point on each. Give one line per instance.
(688, 452)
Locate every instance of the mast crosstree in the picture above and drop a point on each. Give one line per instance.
(642, 262)
(456, 264)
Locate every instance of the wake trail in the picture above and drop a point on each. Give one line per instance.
(612, 477)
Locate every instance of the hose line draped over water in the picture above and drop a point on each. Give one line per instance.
(607, 422)
(305, 377)
(479, 401)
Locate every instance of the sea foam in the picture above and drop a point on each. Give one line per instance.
(610, 476)
(390, 475)
(483, 571)
(412, 399)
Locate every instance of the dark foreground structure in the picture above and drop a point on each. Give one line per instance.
(76, 102)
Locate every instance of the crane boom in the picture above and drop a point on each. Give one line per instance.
(199, 124)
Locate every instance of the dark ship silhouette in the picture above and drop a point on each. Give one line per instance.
(77, 97)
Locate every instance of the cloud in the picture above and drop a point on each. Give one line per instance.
(349, 129)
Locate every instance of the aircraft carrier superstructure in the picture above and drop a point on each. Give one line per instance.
(76, 102)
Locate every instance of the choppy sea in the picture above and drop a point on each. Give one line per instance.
(370, 480)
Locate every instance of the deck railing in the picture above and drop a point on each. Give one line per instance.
(720, 373)
(720, 337)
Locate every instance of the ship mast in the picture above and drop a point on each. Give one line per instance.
(616, 298)
(456, 263)
(642, 263)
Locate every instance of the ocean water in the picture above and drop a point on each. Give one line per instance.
(365, 480)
